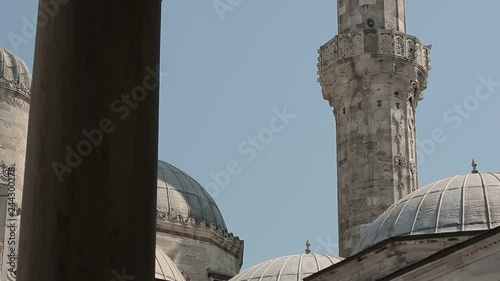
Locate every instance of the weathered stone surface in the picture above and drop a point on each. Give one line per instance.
(374, 78)
(97, 220)
(15, 98)
(476, 259)
(389, 256)
(355, 15)
(199, 249)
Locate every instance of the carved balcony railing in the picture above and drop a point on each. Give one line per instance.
(378, 42)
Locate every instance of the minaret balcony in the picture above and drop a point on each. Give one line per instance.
(374, 42)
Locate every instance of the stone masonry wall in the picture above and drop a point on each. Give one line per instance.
(199, 249)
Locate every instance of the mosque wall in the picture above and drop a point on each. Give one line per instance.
(477, 259)
(388, 257)
(485, 269)
(199, 251)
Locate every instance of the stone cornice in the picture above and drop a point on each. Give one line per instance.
(14, 98)
(16, 87)
(454, 257)
(375, 42)
(179, 226)
(201, 225)
(402, 249)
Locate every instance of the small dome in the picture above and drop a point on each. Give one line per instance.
(14, 74)
(288, 268)
(180, 194)
(165, 269)
(460, 203)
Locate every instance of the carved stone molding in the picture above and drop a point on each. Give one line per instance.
(415, 92)
(398, 117)
(191, 222)
(15, 86)
(15, 100)
(413, 167)
(379, 42)
(400, 161)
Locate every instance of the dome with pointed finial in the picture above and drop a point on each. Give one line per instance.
(287, 268)
(461, 203)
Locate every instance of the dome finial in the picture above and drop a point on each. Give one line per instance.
(474, 166)
(308, 244)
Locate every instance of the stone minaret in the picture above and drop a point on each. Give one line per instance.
(373, 74)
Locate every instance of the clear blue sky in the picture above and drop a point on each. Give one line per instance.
(228, 73)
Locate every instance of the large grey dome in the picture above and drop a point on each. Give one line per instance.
(461, 203)
(288, 268)
(180, 194)
(14, 74)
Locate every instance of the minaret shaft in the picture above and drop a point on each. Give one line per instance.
(374, 78)
(357, 15)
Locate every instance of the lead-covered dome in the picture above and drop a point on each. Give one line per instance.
(14, 74)
(179, 194)
(288, 268)
(165, 268)
(460, 203)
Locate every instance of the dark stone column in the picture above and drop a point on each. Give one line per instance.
(90, 187)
